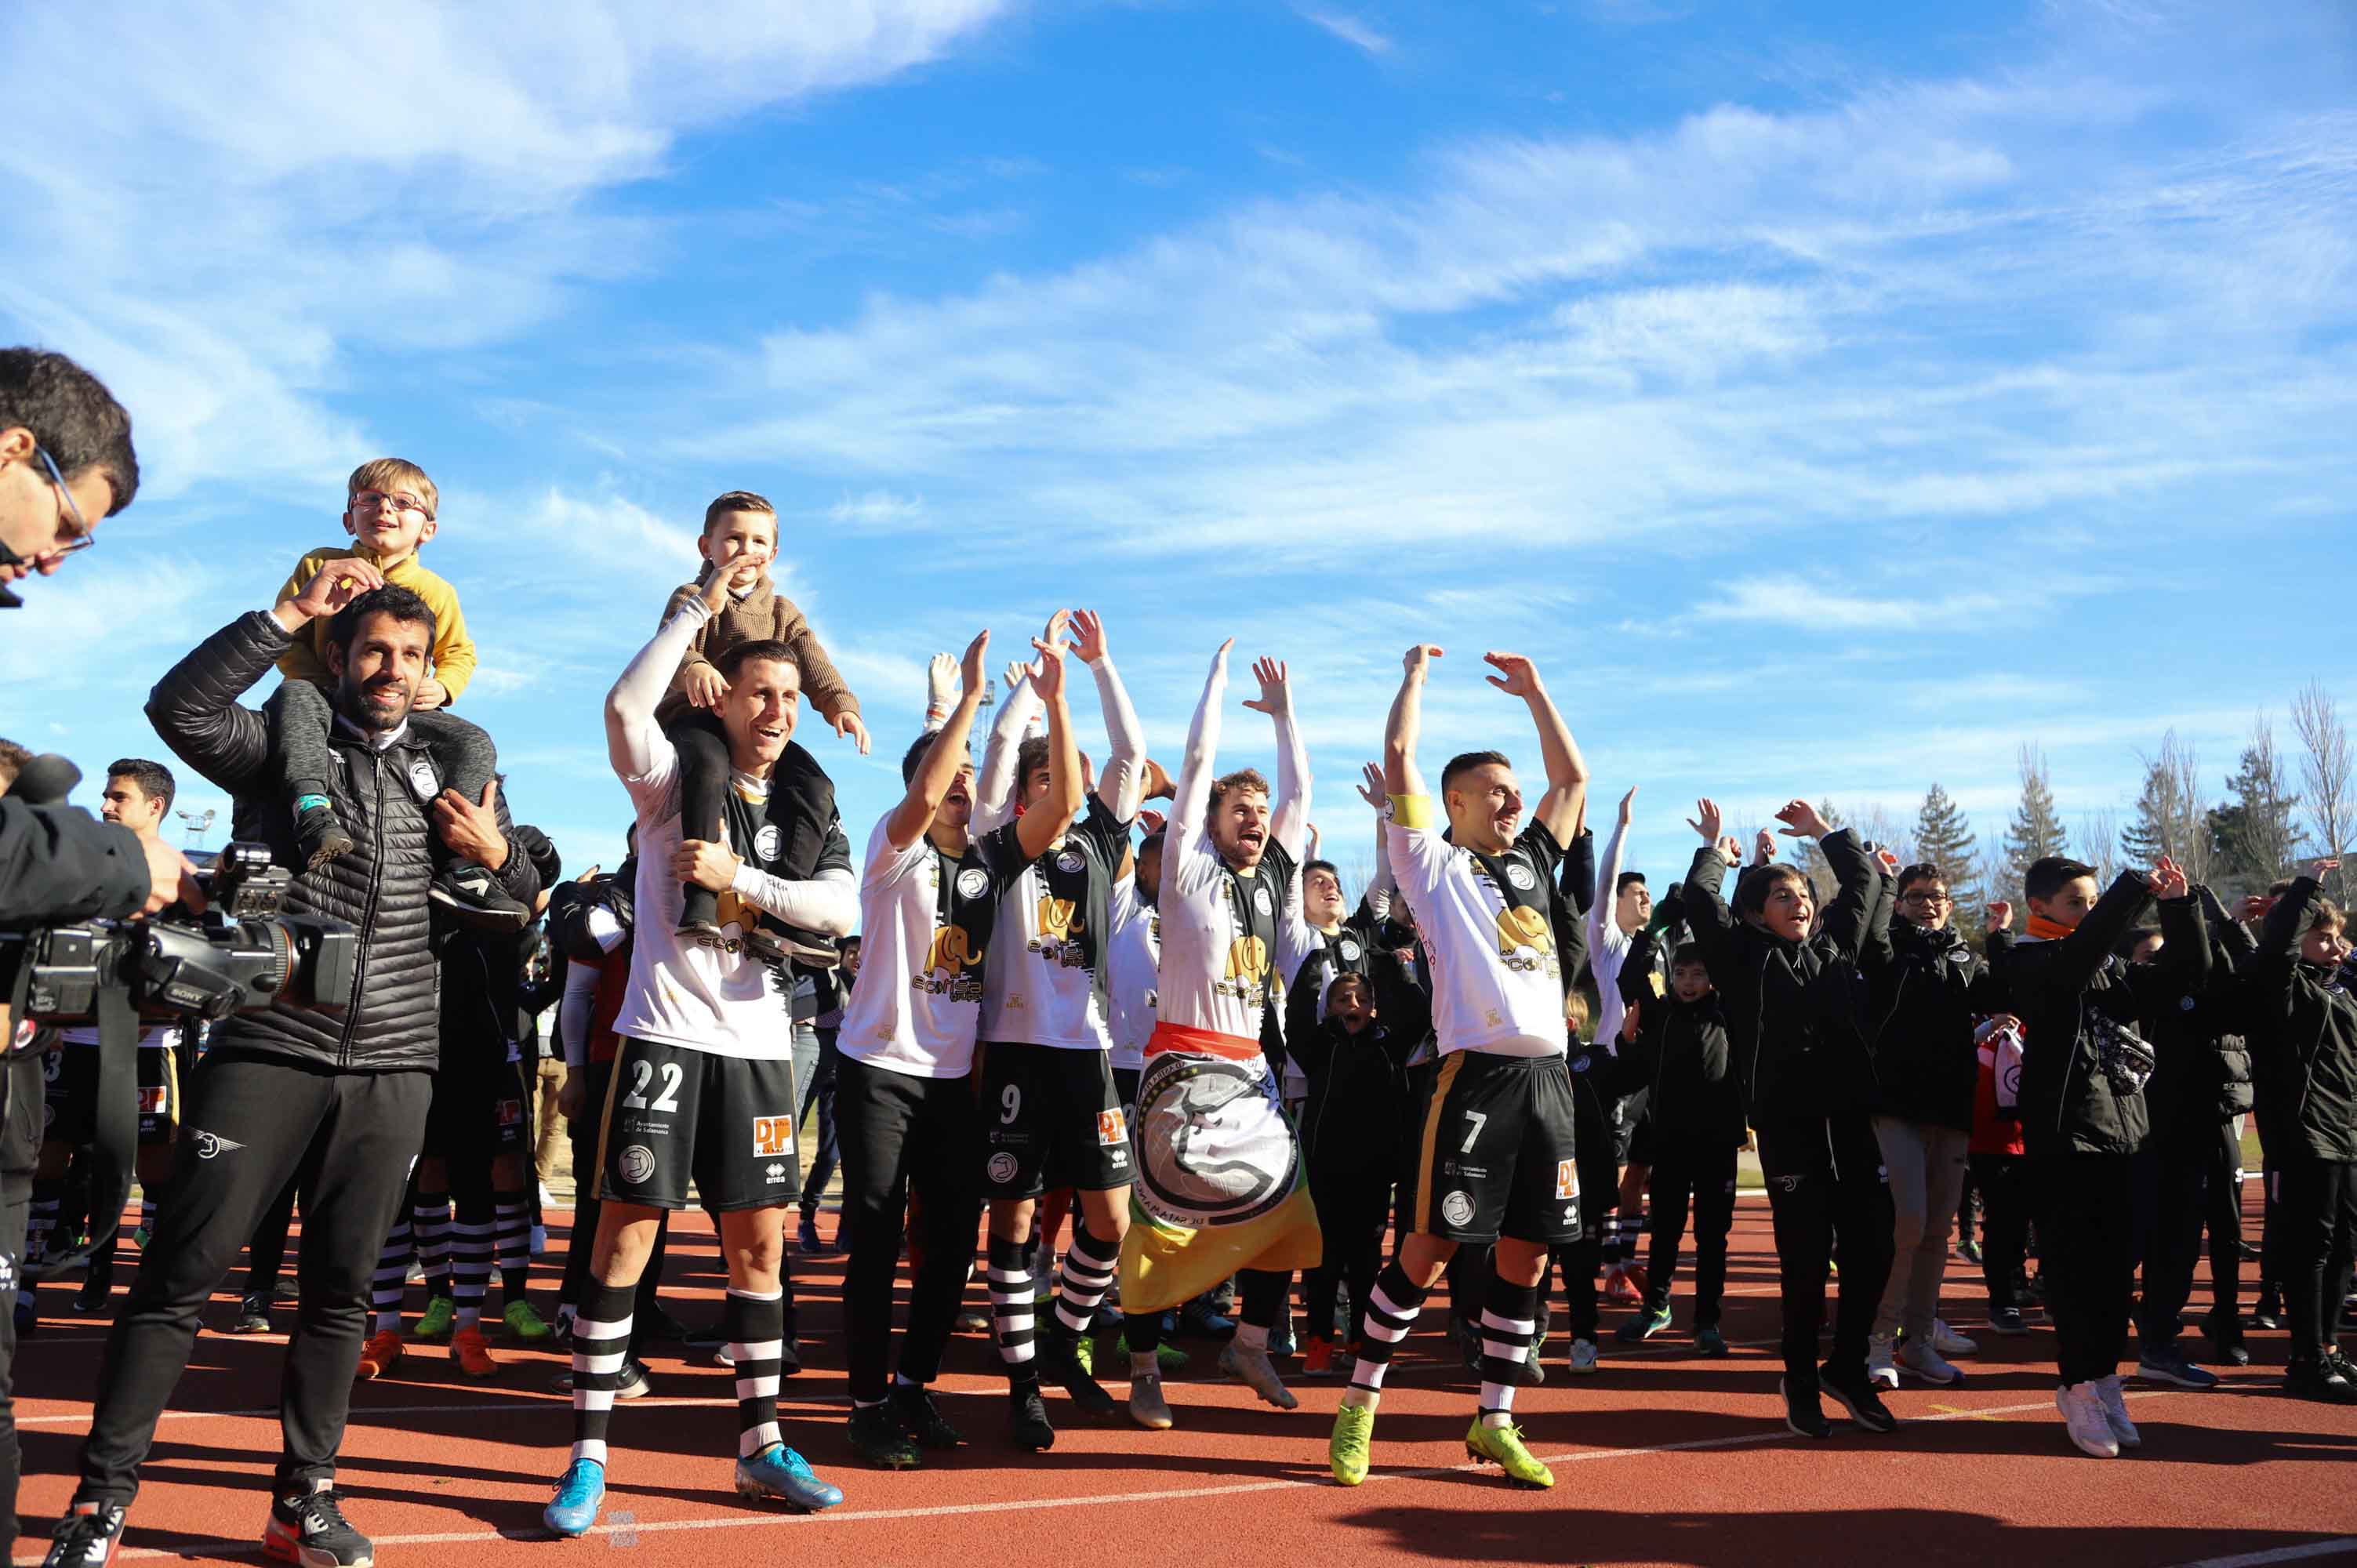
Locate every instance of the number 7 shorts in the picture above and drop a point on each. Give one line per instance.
(675, 1115)
(1494, 1152)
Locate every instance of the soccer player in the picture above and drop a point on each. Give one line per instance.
(1052, 1114)
(1231, 921)
(904, 1092)
(702, 1085)
(1495, 1163)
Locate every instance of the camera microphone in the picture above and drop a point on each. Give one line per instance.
(46, 780)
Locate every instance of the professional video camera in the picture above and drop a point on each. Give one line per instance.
(243, 954)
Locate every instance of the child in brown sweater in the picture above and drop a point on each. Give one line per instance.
(757, 613)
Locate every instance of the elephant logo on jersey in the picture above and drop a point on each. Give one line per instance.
(1058, 917)
(1247, 957)
(952, 952)
(1523, 939)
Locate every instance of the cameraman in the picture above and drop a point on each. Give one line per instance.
(334, 1098)
(66, 463)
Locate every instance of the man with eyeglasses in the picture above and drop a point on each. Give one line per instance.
(66, 463)
(1930, 988)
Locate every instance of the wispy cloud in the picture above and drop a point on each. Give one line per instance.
(1354, 30)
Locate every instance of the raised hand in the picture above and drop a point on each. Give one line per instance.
(2000, 916)
(1275, 697)
(853, 728)
(1088, 635)
(1016, 673)
(1219, 660)
(2168, 879)
(1372, 791)
(940, 683)
(1802, 820)
(2257, 904)
(1050, 665)
(1887, 860)
(2321, 869)
(1733, 850)
(1763, 847)
(336, 584)
(1420, 660)
(1628, 803)
(471, 828)
(1706, 820)
(973, 671)
(714, 589)
(1151, 821)
(1059, 625)
(1517, 676)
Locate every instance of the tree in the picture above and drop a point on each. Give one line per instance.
(2325, 769)
(2036, 832)
(1943, 837)
(2169, 817)
(2253, 832)
(2099, 841)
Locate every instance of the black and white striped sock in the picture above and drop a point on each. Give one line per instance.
(1012, 1308)
(1508, 1323)
(430, 1221)
(601, 1342)
(1088, 1269)
(471, 1257)
(1631, 1228)
(1392, 1307)
(756, 1327)
(392, 1277)
(511, 1243)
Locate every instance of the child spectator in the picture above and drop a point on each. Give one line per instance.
(1359, 1113)
(1677, 1044)
(2000, 1166)
(755, 612)
(2304, 1062)
(390, 510)
(1600, 1077)
(2083, 1107)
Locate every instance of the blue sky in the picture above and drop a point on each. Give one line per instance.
(1832, 399)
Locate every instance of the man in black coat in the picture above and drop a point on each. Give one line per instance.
(333, 1097)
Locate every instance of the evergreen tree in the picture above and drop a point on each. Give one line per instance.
(1943, 837)
(2151, 833)
(2036, 832)
(2252, 831)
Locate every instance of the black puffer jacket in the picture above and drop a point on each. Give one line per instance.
(1796, 1012)
(1928, 986)
(391, 1020)
(1680, 1056)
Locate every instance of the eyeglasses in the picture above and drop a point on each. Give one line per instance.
(1930, 898)
(377, 500)
(87, 535)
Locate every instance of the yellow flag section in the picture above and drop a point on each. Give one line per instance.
(1220, 1184)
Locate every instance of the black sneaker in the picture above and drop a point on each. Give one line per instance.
(1058, 1361)
(309, 1528)
(699, 911)
(634, 1384)
(2320, 1381)
(1280, 1338)
(790, 1355)
(1528, 1373)
(1969, 1250)
(876, 1438)
(1856, 1393)
(922, 1419)
(1469, 1345)
(90, 1300)
(1803, 1416)
(286, 1290)
(86, 1537)
(319, 836)
(1197, 1317)
(1027, 1419)
(2006, 1320)
(252, 1316)
(659, 1325)
(473, 898)
(28, 1312)
(2268, 1314)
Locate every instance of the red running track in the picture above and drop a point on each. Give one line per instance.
(1660, 1459)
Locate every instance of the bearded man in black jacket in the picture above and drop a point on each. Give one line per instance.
(334, 1098)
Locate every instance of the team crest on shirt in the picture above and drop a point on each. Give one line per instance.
(1261, 902)
(635, 1163)
(766, 844)
(1001, 1168)
(1521, 876)
(1349, 949)
(772, 1135)
(421, 780)
(1457, 1210)
(1069, 861)
(973, 882)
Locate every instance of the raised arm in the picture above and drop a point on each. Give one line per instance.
(1707, 914)
(947, 755)
(1604, 933)
(634, 742)
(1560, 808)
(1405, 727)
(1121, 783)
(994, 787)
(1289, 813)
(1039, 829)
(1187, 807)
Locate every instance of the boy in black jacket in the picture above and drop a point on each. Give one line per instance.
(1359, 1115)
(2304, 1062)
(1930, 989)
(1677, 1048)
(1795, 1006)
(2083, 1107)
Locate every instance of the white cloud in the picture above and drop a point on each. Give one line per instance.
(1353, 30)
